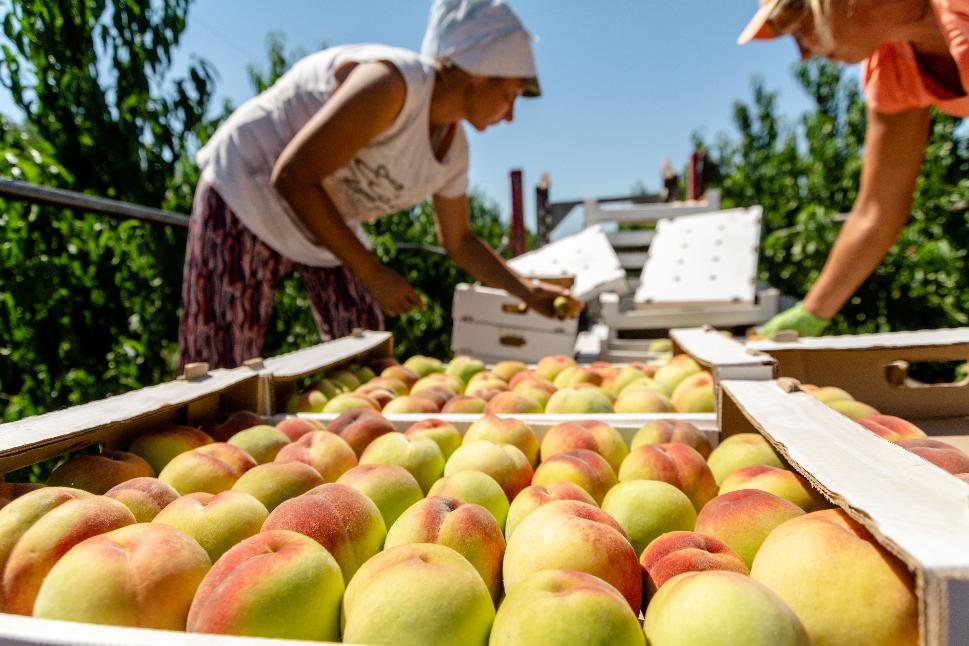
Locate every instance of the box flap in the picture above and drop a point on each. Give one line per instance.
(728, 358)
(306, 361)
(886, 340)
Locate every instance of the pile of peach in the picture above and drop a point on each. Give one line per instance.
(556, 385)
(362, 533)
(896, 430)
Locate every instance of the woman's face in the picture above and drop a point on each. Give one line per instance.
(845, 35)
(491, 100)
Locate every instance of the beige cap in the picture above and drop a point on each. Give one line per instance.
(758, 28)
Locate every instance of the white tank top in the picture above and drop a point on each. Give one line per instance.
(395, 171)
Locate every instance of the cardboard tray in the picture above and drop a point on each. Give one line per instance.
(722, 355)
(914, 509)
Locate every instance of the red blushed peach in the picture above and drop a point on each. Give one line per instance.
(438, 380)
(549, 367)
(360, 427)
(591, 435)
(444, 434)
(739, 451)
(504, 431)
(221, 431)
(421, 456)
(379, 364)
(143, 575)
(296, 427)
(853, 409)
(44, 541)
(98, 473)
(411, 404)
(339, 518)
(275, 482)
(144, 497)
(276, 584)
(680, 551)
(402, 374)
(891, 428)
(464, 404)
(262, 442)
(391, 487)
(574, 375)
(780, 482)
(508, 369)
(945, 456)
(676, 464)
(467, 528)
(486, 389)
(694, 394)
(10, 491)
(512, 403)
(643, 401)
(423, 365)
(529, 375)
(576, 401)
(217, 521)
(743, 519)
(474, 487)
(533, 497)
(395, 386)
(211, 468)
(350, 401)
(665, 431)
(584, 468)
(437, 394)
(505, 463)
(322, 450)
(379, 394)
(158, 448)
(572, 535)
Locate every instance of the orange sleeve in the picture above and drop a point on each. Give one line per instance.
(890, 81)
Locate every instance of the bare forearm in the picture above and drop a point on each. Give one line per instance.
(481, 261)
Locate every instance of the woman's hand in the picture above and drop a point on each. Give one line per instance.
(552, 301)
(393, 294)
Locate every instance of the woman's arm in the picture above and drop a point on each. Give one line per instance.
(364, 105)
(894, 145)
(478, 259)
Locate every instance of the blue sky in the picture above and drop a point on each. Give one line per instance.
(625, 82)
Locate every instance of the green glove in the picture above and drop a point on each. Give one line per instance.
(798, 319)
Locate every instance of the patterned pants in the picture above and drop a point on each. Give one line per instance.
(229, 285)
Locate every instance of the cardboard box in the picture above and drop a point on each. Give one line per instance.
(914, 509)
(722, 355)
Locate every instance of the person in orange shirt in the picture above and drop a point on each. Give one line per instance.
(915, 56)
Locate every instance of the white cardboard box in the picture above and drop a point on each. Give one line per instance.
(492, 343)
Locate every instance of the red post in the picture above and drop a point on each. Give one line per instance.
(692, 180)
(517, 214)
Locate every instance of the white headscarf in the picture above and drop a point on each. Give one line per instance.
(483, 37)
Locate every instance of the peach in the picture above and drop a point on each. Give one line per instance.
(379, 364)
(504, 431)
(401, 373)
(852, 409)
(444, 434)
(144, 497)
(339, 518)
(591, 435)
(565, 607)
(276, 584)
(275, 482)
(623, 378)
(382, 396)
(824, 563)
(945, 456)
(549, 367)
(828, 394)
(261, 442)
(891, 428)
(98, 473)
(322, 450)
(531, 498)
(742, 519)
(142, 575)
(464, 404)
(508, 369)
(675, 464)
(677, 552)
(643, 401)
(694, 394)
(484, 375)
(10, 491)
(395, 386)
(158, 448)
(467, 528)
(533, 379)
(349, 401)
(672, 373)
(648, 508)
(411, 404)
(296, 427)
(438, 380)
(422, 366)
(486, 389)
(780, 482)
(217, 521)
(360, 427)
(438, 395)
(646, 383)
(665, 431)
(587, 401)
(212, 468)
(721, 608)
(538, 391)
(389, 486)
(346, 377)
(232, 424)
(573, 375)
(311, 401)
(573, 535)
(42, 529)
(329, 388)
(421, 456)
(464, 367)
(505, 463)
(474, 487)
(511, 402)
(413, 595)
(582, 467)
(739, 451)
